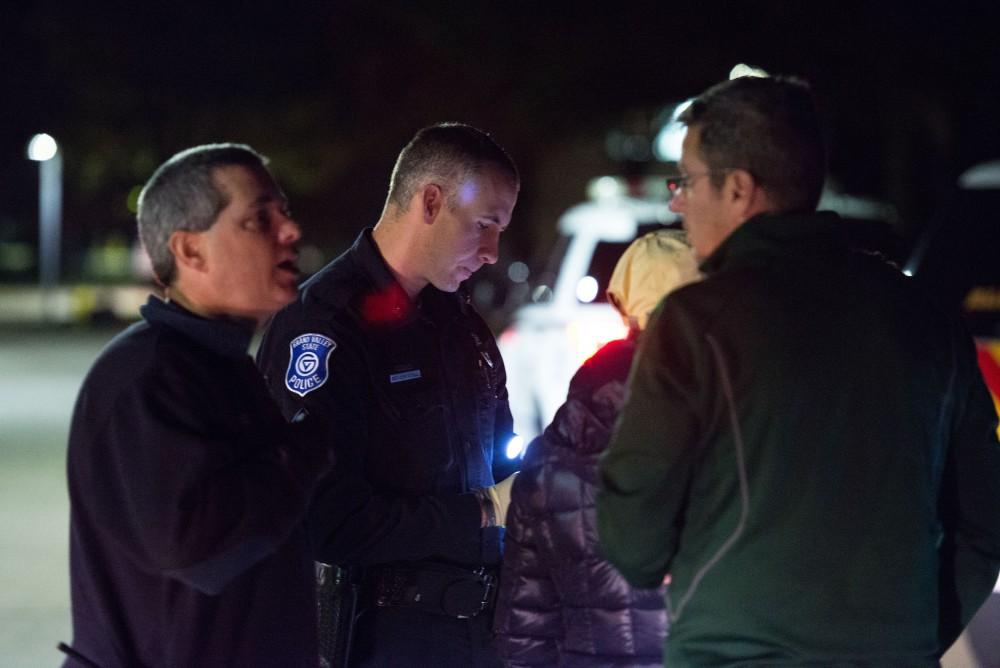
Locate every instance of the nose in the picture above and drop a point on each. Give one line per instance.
(677, 201)
(289, 231)
(489, 248)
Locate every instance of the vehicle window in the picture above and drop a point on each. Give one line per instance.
(606, 254)
(555, 259)
(602, 264)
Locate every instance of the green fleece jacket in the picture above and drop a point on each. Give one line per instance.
(808, 449)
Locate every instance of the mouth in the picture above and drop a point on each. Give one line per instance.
(289, 266)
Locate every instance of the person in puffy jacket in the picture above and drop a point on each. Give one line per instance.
(560, 603)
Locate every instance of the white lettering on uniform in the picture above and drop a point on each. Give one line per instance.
(307, 365)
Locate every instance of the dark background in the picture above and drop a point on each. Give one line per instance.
(332, 90)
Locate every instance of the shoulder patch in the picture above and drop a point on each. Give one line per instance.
(308, 363)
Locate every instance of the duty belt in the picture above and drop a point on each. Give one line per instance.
(440, 589)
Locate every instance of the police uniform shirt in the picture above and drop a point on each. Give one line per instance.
(414, 394)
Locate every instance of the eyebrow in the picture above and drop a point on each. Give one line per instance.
(495, 219)
(268, 198)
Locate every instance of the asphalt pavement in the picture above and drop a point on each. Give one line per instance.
(40, 372)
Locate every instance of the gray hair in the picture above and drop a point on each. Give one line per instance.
(182, 195)
(445, 153)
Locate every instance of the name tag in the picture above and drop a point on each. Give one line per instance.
(403, 376)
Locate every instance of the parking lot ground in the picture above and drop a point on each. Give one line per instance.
(40, 372)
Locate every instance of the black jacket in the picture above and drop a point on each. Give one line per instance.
(809, 450)
(416, 399)
(560, 602)
(187, 491)
(415, 396)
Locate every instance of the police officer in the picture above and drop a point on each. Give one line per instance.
(385, 344)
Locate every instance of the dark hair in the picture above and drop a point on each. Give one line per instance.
(767, 126)
(446, 153)
(182, 195)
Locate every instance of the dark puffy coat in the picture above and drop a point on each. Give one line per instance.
(560, 602)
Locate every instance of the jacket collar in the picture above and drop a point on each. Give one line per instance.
(226, 338)
(768, 236)
(387, 302)
(368, 257)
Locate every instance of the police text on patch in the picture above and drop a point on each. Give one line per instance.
(308, 363)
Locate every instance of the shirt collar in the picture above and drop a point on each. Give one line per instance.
(369, 258)
(388, 301)
(770, 235)
(227, 338)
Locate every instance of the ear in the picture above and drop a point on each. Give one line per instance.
(187, 248)
(431, 202)
(744, 193)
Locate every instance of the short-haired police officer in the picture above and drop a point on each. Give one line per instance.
(385, 344)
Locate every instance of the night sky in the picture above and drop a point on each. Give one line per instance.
(331, 91)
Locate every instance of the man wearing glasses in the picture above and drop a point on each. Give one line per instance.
(808, 448)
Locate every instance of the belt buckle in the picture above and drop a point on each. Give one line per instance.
(488, 582)
(459, 593)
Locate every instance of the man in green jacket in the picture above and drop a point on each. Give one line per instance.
(808, 448)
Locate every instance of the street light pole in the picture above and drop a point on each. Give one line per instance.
(44, 149)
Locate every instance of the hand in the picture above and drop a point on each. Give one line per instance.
(498, 498)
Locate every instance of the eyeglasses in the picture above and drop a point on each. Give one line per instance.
(678, 184)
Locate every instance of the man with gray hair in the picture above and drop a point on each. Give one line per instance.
(385, 344)
(808, 448)
(187, 486)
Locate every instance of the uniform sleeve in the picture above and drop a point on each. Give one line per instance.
(350, 522)
(646, 469)
(503, 427)
(970, 551)
(529, 620)
(186, 499)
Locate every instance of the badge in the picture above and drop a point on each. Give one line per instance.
(308, 366)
